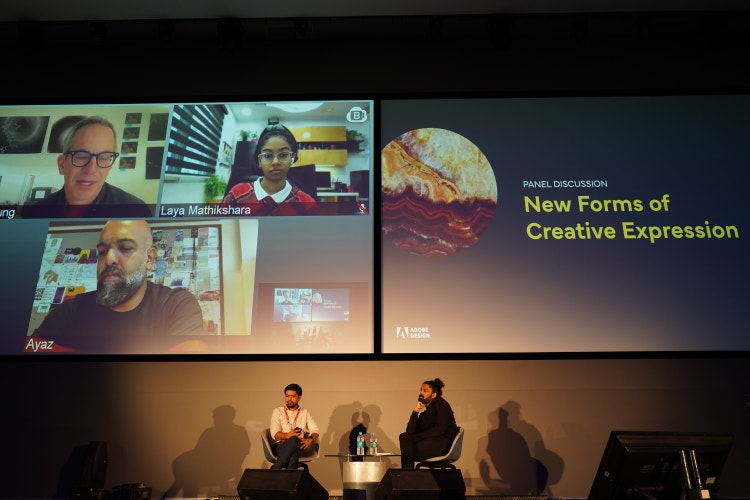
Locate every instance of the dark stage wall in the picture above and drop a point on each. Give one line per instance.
(419, 54)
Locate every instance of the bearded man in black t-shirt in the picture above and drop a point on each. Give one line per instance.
(125, 303)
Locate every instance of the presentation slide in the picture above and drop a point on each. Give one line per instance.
(565, 224)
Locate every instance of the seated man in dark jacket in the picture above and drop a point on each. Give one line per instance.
(431, 426)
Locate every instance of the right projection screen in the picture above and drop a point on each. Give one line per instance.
(565, 224)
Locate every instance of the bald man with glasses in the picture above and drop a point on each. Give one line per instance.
(89, 152)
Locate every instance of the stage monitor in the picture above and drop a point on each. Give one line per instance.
(421, 484)
(283, 484)
(660, 466)
(83, 475)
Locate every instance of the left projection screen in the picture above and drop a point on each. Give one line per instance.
(219, 256)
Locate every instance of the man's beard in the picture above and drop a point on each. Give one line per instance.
(114, 293)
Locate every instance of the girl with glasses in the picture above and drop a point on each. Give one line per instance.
(273, 194)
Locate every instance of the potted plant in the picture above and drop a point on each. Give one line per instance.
(353, 140)
(213, 188)
(354, 135)
(248, 134)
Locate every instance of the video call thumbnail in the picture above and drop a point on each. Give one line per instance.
(307, 304)
(309, 317)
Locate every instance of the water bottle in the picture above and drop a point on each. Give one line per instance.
(360, 444)
(373, 444)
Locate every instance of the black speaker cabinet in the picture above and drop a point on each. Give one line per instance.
(421, 484)
(267, 484)
(95, 465)
(82, 476)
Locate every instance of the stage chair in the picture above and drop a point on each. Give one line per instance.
(445, 461)
(266, 439)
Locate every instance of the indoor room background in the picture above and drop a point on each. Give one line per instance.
(128, 172)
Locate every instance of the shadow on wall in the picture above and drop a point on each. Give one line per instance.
(385, 443)
(507, 464)
(215, 463)
(355, 418)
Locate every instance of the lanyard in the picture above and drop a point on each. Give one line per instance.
(286, 414)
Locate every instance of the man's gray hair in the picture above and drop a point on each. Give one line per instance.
(91, 120)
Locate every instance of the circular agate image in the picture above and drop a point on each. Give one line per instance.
(439, 193)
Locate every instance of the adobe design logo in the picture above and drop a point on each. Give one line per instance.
(409, 333)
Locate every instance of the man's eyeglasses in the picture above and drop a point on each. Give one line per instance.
(282, 156)
(82, 158)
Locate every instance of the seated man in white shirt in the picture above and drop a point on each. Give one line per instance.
(293, 430)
